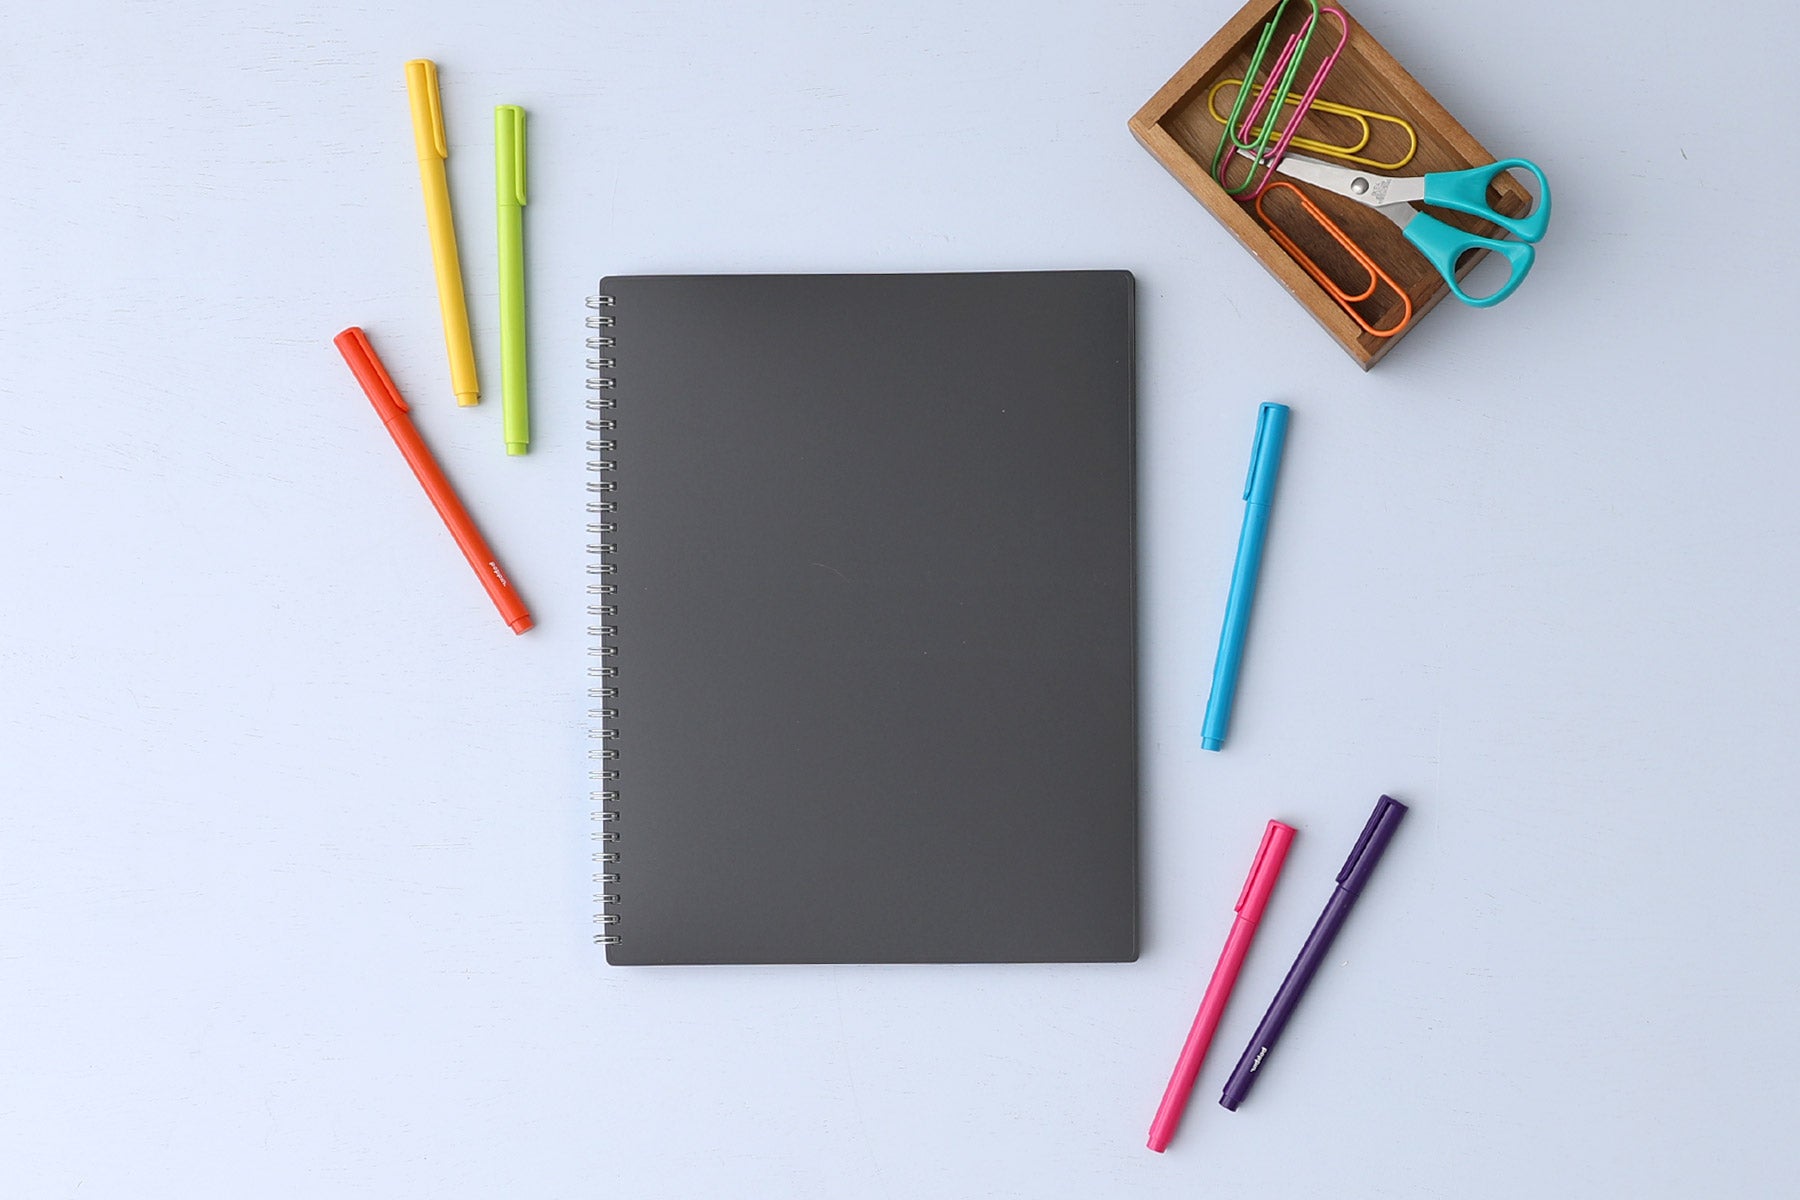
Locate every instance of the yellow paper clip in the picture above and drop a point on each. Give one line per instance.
(1349, 153)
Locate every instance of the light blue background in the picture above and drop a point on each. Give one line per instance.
(293, 878)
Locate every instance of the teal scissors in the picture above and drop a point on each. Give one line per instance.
(1461, 191)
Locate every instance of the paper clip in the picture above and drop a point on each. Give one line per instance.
(1342, 295)
(1254, 140)
(1349, 153)
(1229, 137)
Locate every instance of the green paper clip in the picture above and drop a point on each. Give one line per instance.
(1241, 131)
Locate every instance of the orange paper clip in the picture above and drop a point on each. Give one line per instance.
(1342, 295)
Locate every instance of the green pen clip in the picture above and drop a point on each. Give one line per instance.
(509, 153)
(509, 196)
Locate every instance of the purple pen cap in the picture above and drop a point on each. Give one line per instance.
(1375, 837)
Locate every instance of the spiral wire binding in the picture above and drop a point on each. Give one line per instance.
(602, 612)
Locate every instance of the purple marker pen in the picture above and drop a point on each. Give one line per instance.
(1375, 837)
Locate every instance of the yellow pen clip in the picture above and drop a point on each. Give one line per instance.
(427, 109)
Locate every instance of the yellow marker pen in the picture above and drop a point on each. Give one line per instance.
(433, 148)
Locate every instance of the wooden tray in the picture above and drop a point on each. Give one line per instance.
(1178, 129)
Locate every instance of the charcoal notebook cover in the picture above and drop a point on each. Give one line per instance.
(865, 677)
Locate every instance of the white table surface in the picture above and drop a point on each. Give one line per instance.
(293, 878)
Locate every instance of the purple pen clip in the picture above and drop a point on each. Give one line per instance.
(1375, 837)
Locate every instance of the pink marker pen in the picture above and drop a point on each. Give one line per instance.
(1255, 897)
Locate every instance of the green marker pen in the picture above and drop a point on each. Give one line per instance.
(509, 192)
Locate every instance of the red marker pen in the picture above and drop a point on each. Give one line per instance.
(353, 344)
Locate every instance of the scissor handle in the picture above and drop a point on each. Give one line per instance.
(1467, 192)
(1443, 244)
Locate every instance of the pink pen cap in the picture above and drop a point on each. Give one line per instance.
(1260, 884)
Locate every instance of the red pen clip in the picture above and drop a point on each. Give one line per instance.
(353, 344)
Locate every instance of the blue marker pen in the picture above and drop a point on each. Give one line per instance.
(1259, 490)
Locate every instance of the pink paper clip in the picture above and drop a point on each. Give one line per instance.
(1296, 42)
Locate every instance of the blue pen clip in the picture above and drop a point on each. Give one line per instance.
(1260, 464)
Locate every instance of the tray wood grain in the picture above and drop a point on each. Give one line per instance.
(1177, 128)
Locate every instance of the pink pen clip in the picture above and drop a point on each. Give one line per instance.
(1251, 902)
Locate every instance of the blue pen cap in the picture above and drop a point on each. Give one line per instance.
(1265, 452)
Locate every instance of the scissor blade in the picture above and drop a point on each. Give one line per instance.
(1400, 214)
(1360, 186)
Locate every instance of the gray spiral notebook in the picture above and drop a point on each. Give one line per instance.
(863, 595)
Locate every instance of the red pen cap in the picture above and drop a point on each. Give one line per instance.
(353, 344)
(1261, 883)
